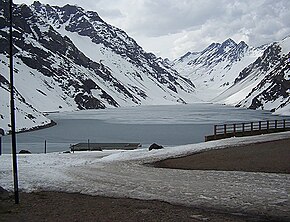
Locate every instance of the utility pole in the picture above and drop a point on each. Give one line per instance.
(12, 107)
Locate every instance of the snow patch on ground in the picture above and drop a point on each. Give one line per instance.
(122, 174)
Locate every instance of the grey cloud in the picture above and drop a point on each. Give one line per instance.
(265, 17)
(169, 17)
(111, 13)
(192, 24)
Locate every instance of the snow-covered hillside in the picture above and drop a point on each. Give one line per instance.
(240, 75)
(215, 68)
(27, 116)
(265, 83)
(67, 58)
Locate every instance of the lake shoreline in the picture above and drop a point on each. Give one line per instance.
(34, 128)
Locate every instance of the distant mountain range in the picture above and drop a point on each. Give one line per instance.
(240, 75)
(67, 58)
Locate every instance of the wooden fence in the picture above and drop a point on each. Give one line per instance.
(248, 129)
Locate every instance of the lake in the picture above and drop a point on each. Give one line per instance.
(167, 125)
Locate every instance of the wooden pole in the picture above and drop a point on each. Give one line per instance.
(12, 107)
(45, 146)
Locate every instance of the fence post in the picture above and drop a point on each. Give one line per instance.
(260, 125)
(284, 124)
(252, 126)
(243, 128)
(215, 126)
(89, 145)
(276, 121)
(268, 126)
(234, 129)
(45, 146)
(225, 129)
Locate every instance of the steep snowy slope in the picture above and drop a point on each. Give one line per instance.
(214, 69)
(67, 58)
(264, 84)
(76, 60)
(27, 117)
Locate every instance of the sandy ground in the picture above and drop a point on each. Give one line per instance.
(55, 206)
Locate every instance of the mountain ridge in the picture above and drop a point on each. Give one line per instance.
(232, 74)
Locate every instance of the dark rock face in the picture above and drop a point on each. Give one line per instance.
(88, 102)
(263, 64)
(155, 146)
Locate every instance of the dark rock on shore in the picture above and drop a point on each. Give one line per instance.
(24, 152)
(155, 146)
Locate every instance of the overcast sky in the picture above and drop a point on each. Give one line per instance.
(170, 28)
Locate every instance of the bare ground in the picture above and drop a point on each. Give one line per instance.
(56, 206)
(269, 157)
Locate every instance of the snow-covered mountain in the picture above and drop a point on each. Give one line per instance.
(237, 74)
(67, 58)
(265, 83)
(215, 68)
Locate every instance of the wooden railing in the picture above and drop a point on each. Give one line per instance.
(248, 129)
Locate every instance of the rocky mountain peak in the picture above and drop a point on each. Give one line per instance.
(229, 42)
(242, 44)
